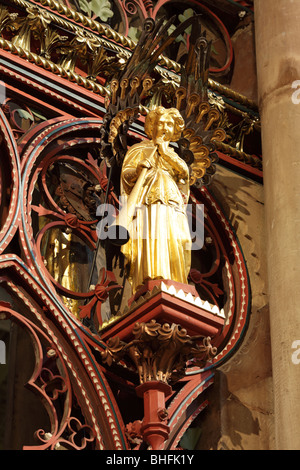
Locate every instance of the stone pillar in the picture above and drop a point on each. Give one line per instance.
(277, 25)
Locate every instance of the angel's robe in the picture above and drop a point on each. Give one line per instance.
(156, 196)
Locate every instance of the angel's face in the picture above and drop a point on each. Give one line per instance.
(164, 129)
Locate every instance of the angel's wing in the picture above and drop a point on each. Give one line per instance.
(201, 117)
(135, 81)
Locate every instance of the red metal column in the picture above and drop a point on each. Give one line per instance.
(155, 430)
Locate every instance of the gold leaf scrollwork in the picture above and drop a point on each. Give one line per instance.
(78, 48)
(31, 26)
(6, 18)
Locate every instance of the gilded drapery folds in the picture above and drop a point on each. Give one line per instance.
(155, 189)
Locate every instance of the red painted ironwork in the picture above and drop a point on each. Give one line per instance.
(185, 406)
(46, 290)
(60, 338)
(165, 307)
(100, 294)
(154, 428)
(50, 386)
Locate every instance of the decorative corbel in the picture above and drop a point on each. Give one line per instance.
(160, 354)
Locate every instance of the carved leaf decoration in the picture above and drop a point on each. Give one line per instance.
(85, 6)
(114, 352)
(134, 33)
(6, 18)
(188, 13)
(100, 8)
(159, 352)
(24, 114)
(42, 210)
(38, 115)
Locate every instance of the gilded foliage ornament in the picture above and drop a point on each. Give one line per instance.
(159, 352)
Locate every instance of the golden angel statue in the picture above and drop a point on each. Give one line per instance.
(155, 188)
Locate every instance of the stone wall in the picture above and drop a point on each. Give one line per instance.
(240, 414)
